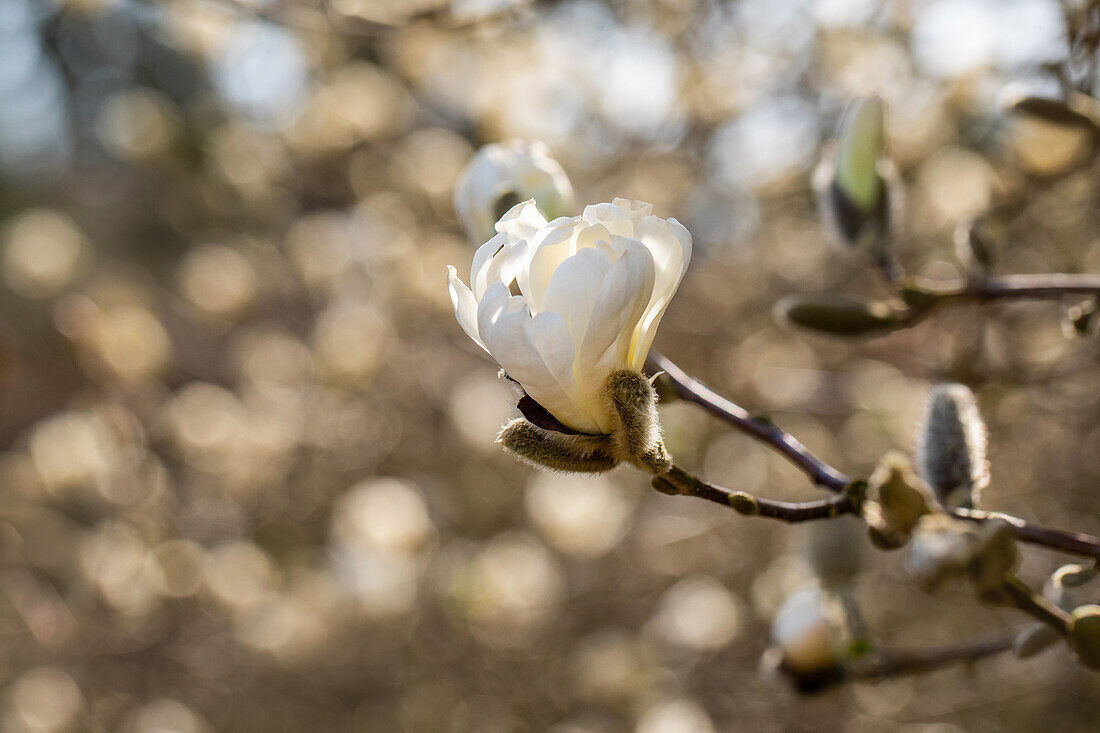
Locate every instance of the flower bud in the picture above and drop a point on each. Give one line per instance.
(951, 447)
(834, 550)
(501, 175)
(1084, 635)
(943, 548)
(837, 315)
(854, 185)
(810, 628)
(896, 501)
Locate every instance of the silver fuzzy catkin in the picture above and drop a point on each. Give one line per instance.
(951, 447)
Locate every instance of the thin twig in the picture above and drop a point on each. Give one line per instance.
(1029, 287)
(1074, 543)
(1020, 596)
(692, 390)
(899, 663)
(679, 482)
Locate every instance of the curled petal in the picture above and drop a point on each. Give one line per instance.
(465, 305)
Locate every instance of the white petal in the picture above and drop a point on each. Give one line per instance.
(573, 289)
(514, 340)
(480, 266)
(551, 338)
(620, 303)
(551, 247)
(521, 221)
(670, 244)
(464, 304)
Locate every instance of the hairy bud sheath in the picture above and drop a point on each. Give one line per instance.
(951, 447)
(539, 439)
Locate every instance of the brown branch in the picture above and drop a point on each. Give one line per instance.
(1075, 543)
(679, 482)
(692, 390)
(1023, 598)
(924, 295)
(899, 663)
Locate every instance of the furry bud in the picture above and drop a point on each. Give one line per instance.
(837, 315)
(896, 500)
(951, 447)
(577, 453)
(637, 434)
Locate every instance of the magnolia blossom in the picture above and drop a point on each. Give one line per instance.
(561, 304)
(503, 174)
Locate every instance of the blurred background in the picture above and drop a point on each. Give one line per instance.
(247, 476)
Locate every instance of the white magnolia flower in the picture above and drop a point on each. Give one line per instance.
(501, 175)
(560, 305)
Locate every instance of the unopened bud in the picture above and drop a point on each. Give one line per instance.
(810, 628)
(855, 184)
(834, 549)
(838, 315)
(941, 549)
(951, 447)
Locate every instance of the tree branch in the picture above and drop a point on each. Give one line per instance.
(679, 482)
(692, 390)
(899, 663)
(1016, 287)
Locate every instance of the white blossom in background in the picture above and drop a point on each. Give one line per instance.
(503, 174)
(561, 305)
(810, 630)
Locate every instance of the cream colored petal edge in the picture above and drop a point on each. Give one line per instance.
(462, 298)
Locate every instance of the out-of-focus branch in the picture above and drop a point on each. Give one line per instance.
(1075, 543)
(899, 663)
(1019, 596)
(679, 482)
(692, 390)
